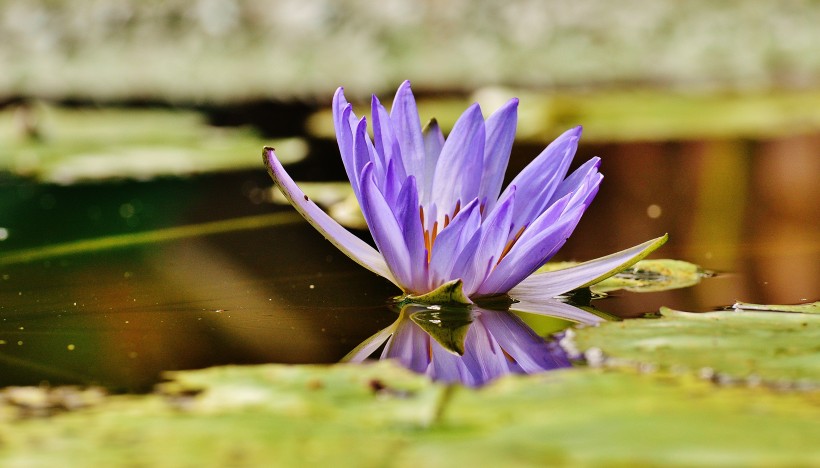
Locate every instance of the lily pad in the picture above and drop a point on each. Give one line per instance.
(69, 145)
(382, 415)
(645, 276)
(807, 308)
(652, 276)
(772, 347)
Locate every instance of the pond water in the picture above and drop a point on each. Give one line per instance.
(223, 277)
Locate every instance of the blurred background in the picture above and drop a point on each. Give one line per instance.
(139, 231)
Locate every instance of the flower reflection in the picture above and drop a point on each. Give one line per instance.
(470, 344)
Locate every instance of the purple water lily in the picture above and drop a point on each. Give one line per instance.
(470, 345)
(444, 229)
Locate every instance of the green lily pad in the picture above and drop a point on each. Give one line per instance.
(69, 145)
(768, 346)
(382, 415)
(645, 276)
(807, 308)
(652, 276)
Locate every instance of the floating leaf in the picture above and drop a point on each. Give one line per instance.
(770, 346)
(653, 275)
(69, 145)
(806, 308)
(382, 415)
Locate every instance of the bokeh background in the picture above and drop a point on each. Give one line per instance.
(126, 127)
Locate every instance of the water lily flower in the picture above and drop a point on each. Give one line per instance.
(469, 344)
(444, 229)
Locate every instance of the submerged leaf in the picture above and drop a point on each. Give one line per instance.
(768, 346)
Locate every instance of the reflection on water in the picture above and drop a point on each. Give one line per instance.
(119, 317)
(469, 344)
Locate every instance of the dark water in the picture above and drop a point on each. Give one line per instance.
(120, 316)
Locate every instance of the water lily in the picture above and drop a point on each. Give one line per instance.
(469, 344)
(444, 229)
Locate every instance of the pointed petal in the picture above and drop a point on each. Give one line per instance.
(526, 257)
(549, 284)
(433, 141)
(500, 133)
(384, 139)
(575, 179)
(539, 180)
(385, 229)
(355, 248)
(406, 123)
(407, 214)
(460, 165)
(344, 137)
(495, 230)
(450, 242)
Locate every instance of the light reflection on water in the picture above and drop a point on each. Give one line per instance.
(282, 294)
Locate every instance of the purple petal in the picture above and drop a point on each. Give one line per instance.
(541, 286)
(433, 143)
(495, 231)
(362, 152)
(526, 257)
(539, 180)
(385, 140)
(355, 248)
(450, 242)
(344, 136)
(500, 128)
(460, 165)
(385, 229)
(407, 214)
(404, 117)
(574, 180)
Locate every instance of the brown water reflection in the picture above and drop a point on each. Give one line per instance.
(283, 294)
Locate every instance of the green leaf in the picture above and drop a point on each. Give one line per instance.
(774, 347)
(806, 308)
(382, 415)
(69, 145)
(652, 276)
(450, 292)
